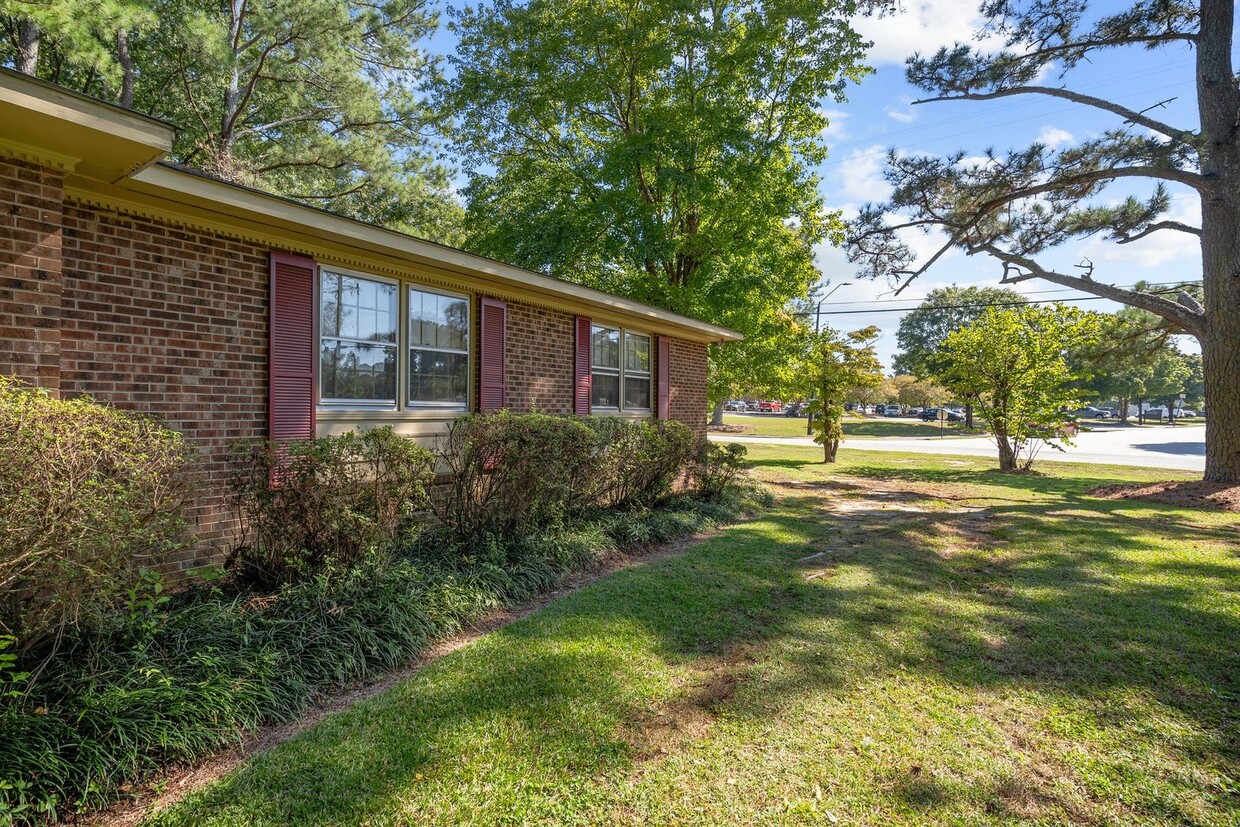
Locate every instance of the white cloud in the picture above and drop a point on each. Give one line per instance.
(1054, 137)
(901, 115)
(923, 27)
(861, 175)
(836, 130)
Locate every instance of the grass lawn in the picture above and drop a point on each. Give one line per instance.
(902, 640)
(780, 425)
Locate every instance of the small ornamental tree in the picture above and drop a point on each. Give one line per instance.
(1014, 363)
(839, 365)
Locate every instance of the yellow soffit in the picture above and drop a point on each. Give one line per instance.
(47, 124)
(165, 192)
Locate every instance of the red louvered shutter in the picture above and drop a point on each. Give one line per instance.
(293, 368)
(581, 384)
(491, 334)
(664, 411)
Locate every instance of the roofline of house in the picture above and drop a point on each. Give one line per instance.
(130, 147)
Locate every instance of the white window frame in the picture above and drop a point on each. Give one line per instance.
(411, 287)
(339, 404)
(620, 372)
(402, 344)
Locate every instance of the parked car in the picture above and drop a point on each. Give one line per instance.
(735, 405)
(1090, 412)
(880, 410)
(795, 409)
(770, 406)
(894, 410)
(930, 415)
(753, 407)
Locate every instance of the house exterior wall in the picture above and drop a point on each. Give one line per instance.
(155, 317)
(688, 384)
(173, 322)
(30, 271)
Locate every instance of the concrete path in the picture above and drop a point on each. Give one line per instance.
(1179, 447)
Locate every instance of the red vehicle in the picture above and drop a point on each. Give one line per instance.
(772, 406)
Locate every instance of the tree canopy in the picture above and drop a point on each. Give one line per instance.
(662, 150)
(836, 366)
(922, 331)
(1015, 206)
(1013, 361)
(317, 100)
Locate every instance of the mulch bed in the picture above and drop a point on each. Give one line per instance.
(730, 429)
(1208, 496)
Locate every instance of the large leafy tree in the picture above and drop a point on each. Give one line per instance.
(1014, 362)
(1133, 359)
(662, 150)
(317, 100)
(1017, 206)
(922, 331)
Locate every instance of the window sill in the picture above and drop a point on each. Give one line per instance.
(413, 414)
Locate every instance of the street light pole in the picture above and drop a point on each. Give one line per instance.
(818, 307)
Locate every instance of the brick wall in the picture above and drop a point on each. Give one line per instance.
(540, 366)
(30, 272)
(688, 384)
(171, 322)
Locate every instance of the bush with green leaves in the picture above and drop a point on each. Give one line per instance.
(306, 506)
(88, 496)
(510, 473)
(640, 462)
(718, 468)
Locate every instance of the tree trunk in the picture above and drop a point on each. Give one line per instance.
(1007, 454)
(27, 47)
(1218, 102)
(1123, 410)
(968, 415)
(126, 60)
(716, 416)
(829, 449)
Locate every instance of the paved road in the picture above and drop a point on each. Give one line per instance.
(1180, 447)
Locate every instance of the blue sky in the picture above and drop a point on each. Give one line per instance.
(879, 114)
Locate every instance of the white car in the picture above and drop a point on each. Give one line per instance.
(735, 405)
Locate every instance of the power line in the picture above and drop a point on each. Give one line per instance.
(1041, 292)
(959, 306)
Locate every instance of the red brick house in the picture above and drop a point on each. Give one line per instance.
(232, 313)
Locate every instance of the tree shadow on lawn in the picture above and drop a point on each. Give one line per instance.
(541, 709)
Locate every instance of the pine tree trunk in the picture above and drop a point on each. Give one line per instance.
(27, 47)
(126, 60)
(1218, 102)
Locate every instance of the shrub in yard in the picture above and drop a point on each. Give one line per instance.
(88, 495)
(311, 505)
(717, 469)
(512, 472)
(640, 461)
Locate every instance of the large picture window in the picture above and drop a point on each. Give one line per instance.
(363, 340)
(619, 370)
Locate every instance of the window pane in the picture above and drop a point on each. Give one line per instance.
(438, 377)
(605, 347)
(357, 308)
(355, 371)
(636, 353)
(604, 390)
(438, 321)
(636, 392)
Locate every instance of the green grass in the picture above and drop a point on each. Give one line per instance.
(966, 648)
(780, 425)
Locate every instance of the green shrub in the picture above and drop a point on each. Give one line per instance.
(511, 473)
(309, 506)
(88, 495)
(717, 469)
(640, 461)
